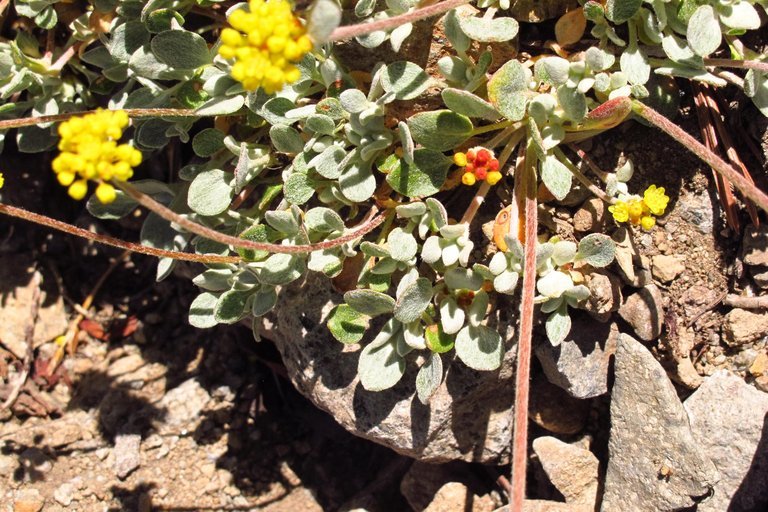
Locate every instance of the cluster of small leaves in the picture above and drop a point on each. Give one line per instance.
(686, 31)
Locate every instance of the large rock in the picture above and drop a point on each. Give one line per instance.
(654, 461)
(468, 417)
(729, 420)
(579, 364)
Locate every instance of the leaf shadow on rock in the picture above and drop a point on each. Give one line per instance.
(751, 496)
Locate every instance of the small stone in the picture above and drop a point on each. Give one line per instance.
(456, 496)
(760, 275)
(654, 461)
(7, 465)
(727, 417)
(759, 365)
(579, 364)
(127, 454)
(440, 487)
(755, 248)
(102, 453)
(743, 326)
(208, 469)
(184, 404)
(551, 506)
(667, 268)
(590, 217)
(572, 470)
(604, 294)
(125, 365)
(643, 310)
(64, 494)
(554, 409)
(628, 259)
(28, 500)
(761, 383)
(64, 434)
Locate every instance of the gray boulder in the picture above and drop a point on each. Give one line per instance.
(654, 461)
(729, 420)
(468, 418)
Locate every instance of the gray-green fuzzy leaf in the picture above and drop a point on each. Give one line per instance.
(210, 192)
(597, 250)
(181, 49)
(369, 302)
(380, 367)
(405, 79)
(440, 130)
(465, 103)
(346, 324)
(201, 311)
(481, 348)
(231, 306)
(429, 378)
(413, 301)
(282, 269)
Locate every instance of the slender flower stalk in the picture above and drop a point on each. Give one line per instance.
(524, 340)
(350, 31)
(749, 190)
(7, 124)
(738, 64)
(212, 234)
(58, 225)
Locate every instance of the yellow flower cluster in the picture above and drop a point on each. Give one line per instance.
(641, 211)
(2, 180)
(89, 151)
(265, 41)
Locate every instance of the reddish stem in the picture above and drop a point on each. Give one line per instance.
(21, 213)
(212, 234)
(132, 112)
(523, 373)
(351, 31)
(749, 190)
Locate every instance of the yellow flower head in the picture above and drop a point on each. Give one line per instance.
(640, 212)
(266, 42)
(656, 200)
(2, 180)
(89, 151)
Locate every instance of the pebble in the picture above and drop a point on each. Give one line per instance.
(28, 500)
(604, 294)
(572, 470)
(755, 248)
(760, 275)
(590, 217)
(643, 310)
(127, 454)
(728, 421)
(125, 365)
(184, 403)
(743, 326)
(759, 365)
(666, 268)
(554, 409)
(456, 496)
(64, 494)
